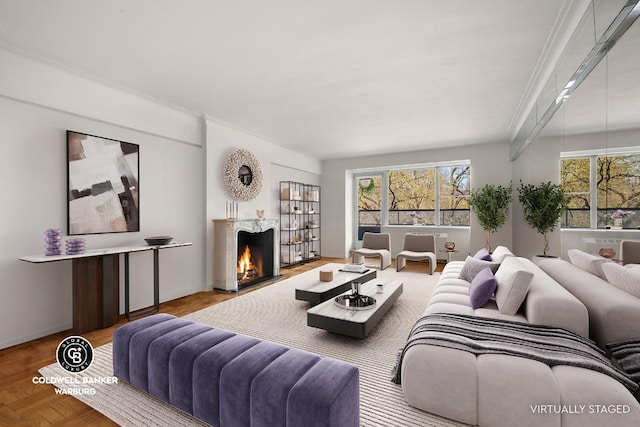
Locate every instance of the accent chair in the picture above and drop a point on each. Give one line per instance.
(417, 247)
(630, 252)
(374, 245)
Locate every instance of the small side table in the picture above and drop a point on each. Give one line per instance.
(448, 254)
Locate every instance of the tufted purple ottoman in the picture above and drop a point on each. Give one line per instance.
(227, 379)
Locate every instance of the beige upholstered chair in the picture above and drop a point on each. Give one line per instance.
(374, 245)
(630, 252)
(417, 247)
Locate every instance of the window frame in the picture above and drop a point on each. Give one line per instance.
(593, 156)
(384, 190)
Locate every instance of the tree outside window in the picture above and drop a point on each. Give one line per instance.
(412, 196)
(369, 201)
(430, 196)
(455, 188)
(576, 182)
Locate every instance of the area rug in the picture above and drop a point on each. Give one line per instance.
(273, 314)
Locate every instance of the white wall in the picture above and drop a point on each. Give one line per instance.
(38, 83)
(181, 187)
(287, 173)
(490, 164)
(277, 164)
(539, 163)
(38, 103)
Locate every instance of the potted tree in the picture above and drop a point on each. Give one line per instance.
(543, 206)
(491, 205)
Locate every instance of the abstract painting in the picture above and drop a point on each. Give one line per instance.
(103, 185)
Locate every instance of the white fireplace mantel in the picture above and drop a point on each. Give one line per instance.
(225, 248)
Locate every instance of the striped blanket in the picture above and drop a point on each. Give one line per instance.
(627, 354)
(477, 335)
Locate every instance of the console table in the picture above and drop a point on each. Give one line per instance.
(96, 284)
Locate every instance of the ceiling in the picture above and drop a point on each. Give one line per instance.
(330, 78)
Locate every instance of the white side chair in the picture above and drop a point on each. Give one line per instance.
(374, 245)
(417, 247)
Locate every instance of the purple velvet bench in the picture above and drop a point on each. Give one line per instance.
(227, 379)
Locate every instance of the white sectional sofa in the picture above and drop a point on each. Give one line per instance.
(504, 390)
(614, 313)
(546, 302)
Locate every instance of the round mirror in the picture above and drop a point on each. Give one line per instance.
(245, 175)
(242, 175)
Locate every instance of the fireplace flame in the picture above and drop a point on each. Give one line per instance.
(244, 262)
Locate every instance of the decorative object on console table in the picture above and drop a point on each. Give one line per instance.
(158, 240)
(103, 185)
(52, 241)
(75, 246)
(449, 246)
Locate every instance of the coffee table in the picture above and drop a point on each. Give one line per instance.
(310, 288)
(356, 323)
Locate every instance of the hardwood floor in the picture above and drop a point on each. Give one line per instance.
(23, 403)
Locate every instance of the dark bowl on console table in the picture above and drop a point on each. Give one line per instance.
(158, 240)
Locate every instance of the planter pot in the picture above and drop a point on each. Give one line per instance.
(536, 259)
(617, 224)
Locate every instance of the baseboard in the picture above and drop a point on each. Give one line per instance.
(34, 336)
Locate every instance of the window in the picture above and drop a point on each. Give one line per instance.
(411, 196)
(427, 195)
(599, 185)
(454, 192)
(369, 204)
(576, 182)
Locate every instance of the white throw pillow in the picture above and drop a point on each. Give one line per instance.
(590, 263)
(512, 280)
(500, 253)
(627, 279)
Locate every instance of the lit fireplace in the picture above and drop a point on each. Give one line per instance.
(232, 269)
(248, 271)
(255, 255)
